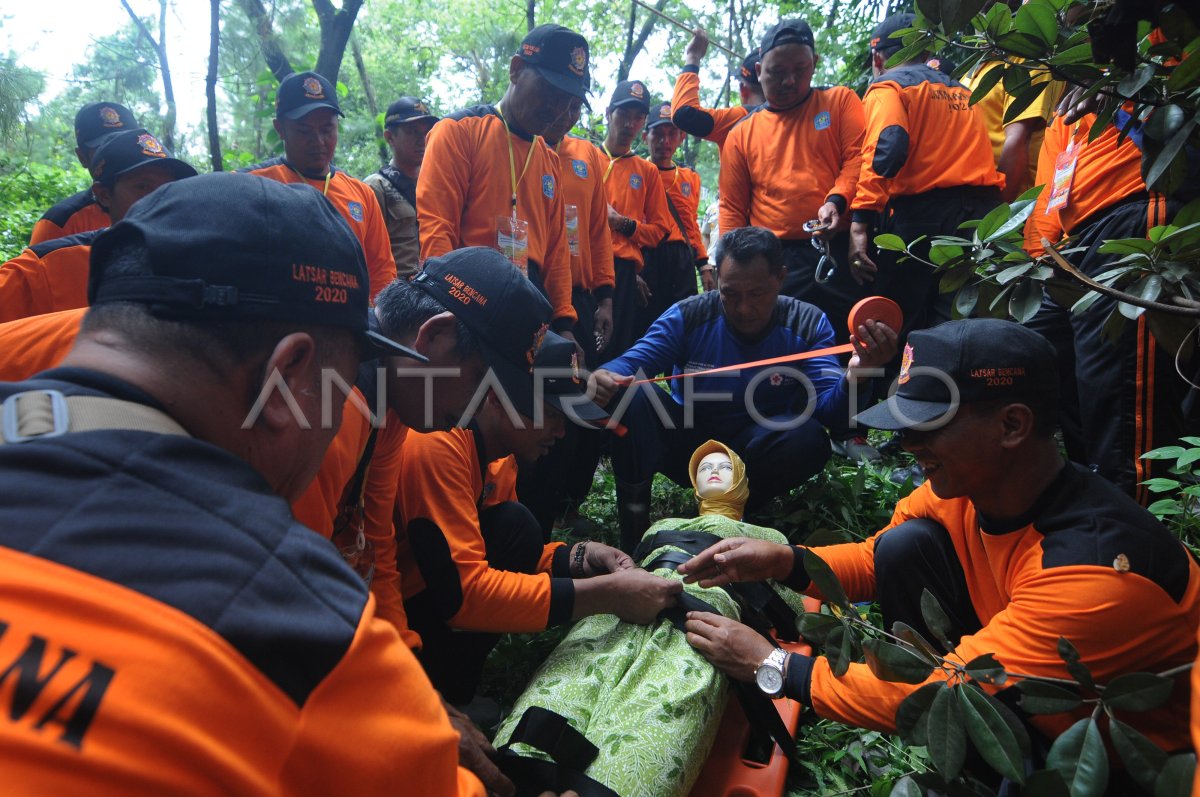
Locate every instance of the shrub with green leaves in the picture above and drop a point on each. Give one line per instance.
(27, 190)
(1179, 507)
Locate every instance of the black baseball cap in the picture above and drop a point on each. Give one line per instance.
(960, 362)
(229, 246)
(881, 37)
(406, 109)
(511, 319)
(747, 73)
(124, 152)
(631, 92)
(97, 120)
(659, 115)
(786, 31)
(301, 93)
(561, 56)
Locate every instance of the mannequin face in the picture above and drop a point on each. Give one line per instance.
(714, 475)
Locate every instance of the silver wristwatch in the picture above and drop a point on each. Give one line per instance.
(769, 675)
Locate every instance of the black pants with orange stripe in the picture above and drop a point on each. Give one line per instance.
(1119, 397)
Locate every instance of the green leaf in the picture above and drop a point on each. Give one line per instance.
(1024, 100)
(1130, 311)
(1170, 150)
(1126, 246)
(935, 618)
(1013, 272)
(1184, 75)
(889, 242)
(987, 669)
(1176, 778)
(947, 743)
(1042, 697)
(1137, 691)
(1163, 122)
(1143, 758)
(1079, 757)
(965, 301)
(1161, 485)
(1037, 21)
(1166, 452)
(992, 221)
(906, 787)
(896, 664)
(1188, 458)
(839, 648)
(1188, 215)
(941, 254)
(1133, 82)
(910, 635)
(1022, 44)
(912, 717)
(992, 736)
(1085, 302)
(1079, 54)
(826, 580)
(988, 81)
(815, 627)
(1164, 508)
(1025, 301)
(1075, 667)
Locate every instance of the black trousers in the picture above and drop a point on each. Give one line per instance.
(453, 659)
(1118, 398)
(670, 273)
(835, 297)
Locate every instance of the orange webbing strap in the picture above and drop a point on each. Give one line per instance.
(845, 348)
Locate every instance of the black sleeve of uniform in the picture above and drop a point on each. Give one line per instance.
(562, 601)
(562, 325)
(798, 579)
(838, 200)
(692, 120)
(798, 678)
(560, 563)
(603, 292)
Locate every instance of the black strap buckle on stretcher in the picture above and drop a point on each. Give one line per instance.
(570, 750)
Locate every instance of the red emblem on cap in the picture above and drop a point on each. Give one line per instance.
(934, 63)
(150, 146)
(530, 49)
(109, 117)
(312, 89)
(420, 108)
(664, 112)
(637, 90)
(538, 337)
(905, 363)
(578, 61)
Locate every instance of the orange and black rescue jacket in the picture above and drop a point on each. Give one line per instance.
(710, 124)
(75, 214)
(635, 190)
(46, 277)
(683, 190)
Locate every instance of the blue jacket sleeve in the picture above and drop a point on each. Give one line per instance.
(827, 377)
(659, 350)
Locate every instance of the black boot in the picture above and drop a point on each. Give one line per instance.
(633, 512)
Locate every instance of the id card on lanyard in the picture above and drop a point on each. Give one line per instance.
(512, 232)
(1064, 175)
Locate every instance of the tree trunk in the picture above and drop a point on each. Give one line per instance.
(530, 18)
(633, 46)
(210, 86)
(336, 26)
(372, 105)
(168, 132)
(268, 42)
(832, 16)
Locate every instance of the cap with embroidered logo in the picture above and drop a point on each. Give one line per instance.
(747, 73)
(631, 92)
(561, 57)
(301, 93)
(229, 246)
(659, 115)
(960, 362)
(882, 39)
(98, 120)
(407, 109)
(124, 152)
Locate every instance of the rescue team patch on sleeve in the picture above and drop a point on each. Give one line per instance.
(356, 210)
(580, 168)
(822, 120)
(548, 185)
(686, 189)
(635, 181)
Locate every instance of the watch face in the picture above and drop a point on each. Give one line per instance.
(769, 680)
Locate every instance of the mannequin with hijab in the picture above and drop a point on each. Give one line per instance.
(647, 701)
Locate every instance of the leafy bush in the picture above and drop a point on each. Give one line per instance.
(1179, 509)
(27, 190)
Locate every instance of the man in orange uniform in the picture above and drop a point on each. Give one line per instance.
(146, 527)
(638, 217)
(793, 160)
(471, 557)
(712, 124)
(53, 275)
(926, 168)
(306, 119)
(79, 213)
(1020, 548)
(678, 259)
(1121, 398)
(489, 180)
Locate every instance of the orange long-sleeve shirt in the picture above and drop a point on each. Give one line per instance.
(75, 214)
(357, 203)
(710, 124)
(636, 192)
(46, 277)
(1032, 582)
(922, 134)
(779, 167)
(582, 168)
(443, 485)
(683, 188)
(1105, 172)
(466, 185)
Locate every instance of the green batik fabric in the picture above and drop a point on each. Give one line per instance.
(641, 694)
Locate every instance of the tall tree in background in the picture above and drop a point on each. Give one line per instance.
(336, 26)
(160, 49)
(210, 85)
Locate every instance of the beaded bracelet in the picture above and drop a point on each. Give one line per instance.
(577, 560)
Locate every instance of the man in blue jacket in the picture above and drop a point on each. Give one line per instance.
(774, 417)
